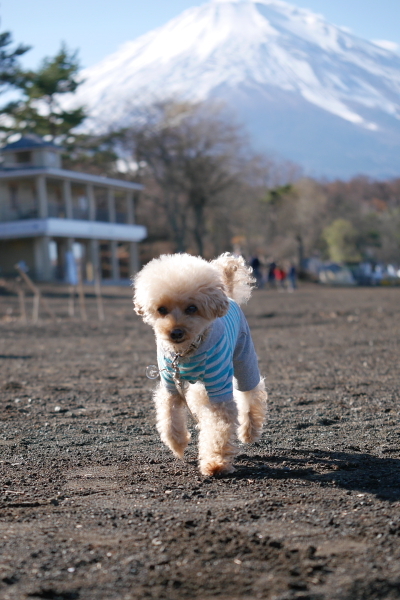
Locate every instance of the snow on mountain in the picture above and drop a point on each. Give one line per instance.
(306, 89)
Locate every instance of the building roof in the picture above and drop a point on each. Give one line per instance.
(75, 176)
(30, 142)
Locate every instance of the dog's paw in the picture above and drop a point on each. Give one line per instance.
(177, 445)
(216, 467)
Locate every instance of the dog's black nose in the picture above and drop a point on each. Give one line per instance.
(177, 334)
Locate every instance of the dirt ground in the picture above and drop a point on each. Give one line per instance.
(93, 506)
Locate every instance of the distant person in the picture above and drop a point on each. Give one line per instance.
(292, 278)
(280, 276)
(256, 266)
(271, 275)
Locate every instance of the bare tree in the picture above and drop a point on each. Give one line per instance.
(193, 153)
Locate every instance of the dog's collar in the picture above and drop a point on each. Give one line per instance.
(193, 347)
(175, 360)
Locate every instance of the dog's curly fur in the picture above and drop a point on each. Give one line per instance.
(175, 282)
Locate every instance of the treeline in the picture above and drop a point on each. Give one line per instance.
(206, 191)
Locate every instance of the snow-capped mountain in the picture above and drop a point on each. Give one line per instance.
(307, 90)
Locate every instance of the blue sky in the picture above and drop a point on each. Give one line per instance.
(98, 27)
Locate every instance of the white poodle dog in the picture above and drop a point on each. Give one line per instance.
(204, 347)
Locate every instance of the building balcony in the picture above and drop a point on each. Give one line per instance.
(71, 228)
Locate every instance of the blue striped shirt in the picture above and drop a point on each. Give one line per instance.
(227, 352)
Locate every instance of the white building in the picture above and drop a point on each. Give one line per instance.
(47, 212)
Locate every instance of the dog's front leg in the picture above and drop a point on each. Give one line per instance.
(252, 407)
(217, 436)
(171, 420)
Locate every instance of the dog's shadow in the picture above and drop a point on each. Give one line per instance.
(351, 471)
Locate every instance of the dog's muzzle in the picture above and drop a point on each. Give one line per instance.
(177, 335)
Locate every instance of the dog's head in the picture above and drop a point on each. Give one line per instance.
(179, 296)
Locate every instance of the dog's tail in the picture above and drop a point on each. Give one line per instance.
(237, 276)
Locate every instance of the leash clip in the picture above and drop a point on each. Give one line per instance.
(152, 372)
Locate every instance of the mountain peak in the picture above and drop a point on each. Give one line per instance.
(243, 50)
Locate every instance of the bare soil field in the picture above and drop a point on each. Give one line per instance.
(93, 506)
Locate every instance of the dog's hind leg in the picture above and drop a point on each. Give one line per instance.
(217, 435)
(252, 408)
(171, 420)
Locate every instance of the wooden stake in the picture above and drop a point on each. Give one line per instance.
(99, 299)
(81, 295)
(35, 308)
(71, 301)
(22, 308)
(36, 292)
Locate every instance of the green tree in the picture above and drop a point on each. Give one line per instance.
(10, 73)
(40, 109)
(341, 238)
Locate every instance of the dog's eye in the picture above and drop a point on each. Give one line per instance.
(162, 310)
(191, 309)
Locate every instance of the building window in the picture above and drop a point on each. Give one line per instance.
(105, 260)
(18, 200)
(23, 157)
(56, 204)
(121, 208)
(80, 202)
(123, 260)
(101, 200)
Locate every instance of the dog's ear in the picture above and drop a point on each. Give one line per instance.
(214, 302)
